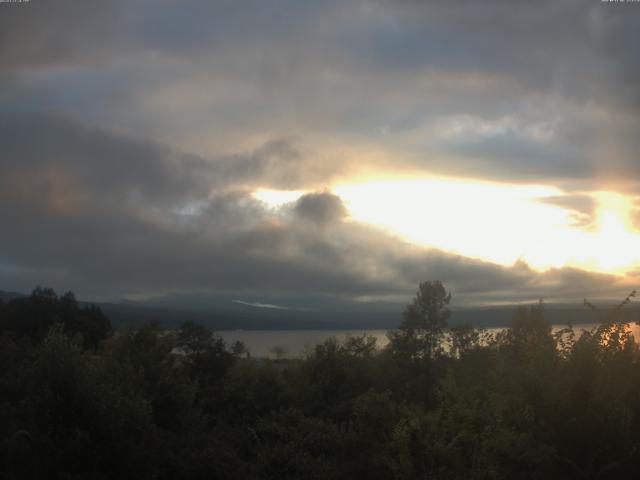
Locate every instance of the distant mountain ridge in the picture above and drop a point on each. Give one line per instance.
(7, 296)
(241, 316)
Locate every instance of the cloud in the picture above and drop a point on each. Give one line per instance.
(208, 76)
(121, 215)
(47, 33)
(321, 208)
(45, 154)
(260, 305)
(583, 208)
(293, 95)
(112, 216)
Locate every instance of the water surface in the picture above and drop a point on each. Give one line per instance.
(295, 343)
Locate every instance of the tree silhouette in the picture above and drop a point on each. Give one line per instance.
(35, 315)
(420, 333)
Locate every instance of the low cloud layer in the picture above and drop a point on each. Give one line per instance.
(138, 218)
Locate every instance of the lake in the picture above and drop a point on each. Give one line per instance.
(296, 342)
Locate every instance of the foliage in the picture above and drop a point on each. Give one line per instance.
(34, 315)
(420, 333)
(438, 403)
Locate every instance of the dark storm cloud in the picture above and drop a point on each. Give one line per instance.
(568, 60)
(546, 44)
(320, 208)
(278, 164)
(474, 281)
(159, 221)
(353, 66)
(49, 159)
(73, 31)
(222, 69)
(532, 160)
(539, 91)
(117, 215)
(45, 33)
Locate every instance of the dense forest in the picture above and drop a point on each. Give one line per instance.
(79, 400)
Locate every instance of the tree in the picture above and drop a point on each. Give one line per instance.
(279, 352)
(87, 321)
(238, 348)
(463, 339)
(530, 326)
(194, 338)
(420, 333)
(34, 315)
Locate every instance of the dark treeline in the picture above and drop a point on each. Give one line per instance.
(81, 401)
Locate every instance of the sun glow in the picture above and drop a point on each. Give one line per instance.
(615, 244)
(501, 223)
(277, 198)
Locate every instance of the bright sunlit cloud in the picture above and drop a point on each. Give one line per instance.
(481, 220)
(500, 223)
(277, 198)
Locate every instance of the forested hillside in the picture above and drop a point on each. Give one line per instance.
(79, 400)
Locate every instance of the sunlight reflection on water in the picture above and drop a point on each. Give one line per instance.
(297, 342)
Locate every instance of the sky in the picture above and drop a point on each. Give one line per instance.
(293, 153)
